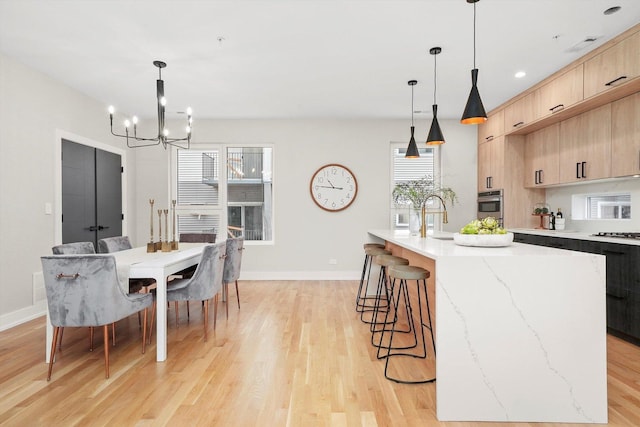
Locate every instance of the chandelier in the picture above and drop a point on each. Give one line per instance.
(135, 141)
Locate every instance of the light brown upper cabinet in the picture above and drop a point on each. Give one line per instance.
(585, 146)
(560, 93)
(541, 159)
(625, 136)
(492, 128)
(520, 113)
(616, 65)
(491, 164)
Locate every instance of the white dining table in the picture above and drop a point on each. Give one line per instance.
(137, 263)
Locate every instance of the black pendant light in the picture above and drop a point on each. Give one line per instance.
(435, 133)
(412, 150)
(474, 111)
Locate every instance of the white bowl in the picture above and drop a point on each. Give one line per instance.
(483, 240)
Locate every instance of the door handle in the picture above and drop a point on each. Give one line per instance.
(101, 227)
(92, 228)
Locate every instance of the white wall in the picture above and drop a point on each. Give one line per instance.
(561, 198)
(306, 237)
(32, 108)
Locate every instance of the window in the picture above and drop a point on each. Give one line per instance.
(601, 206)
(238, 202)
(249, 192)
(403, 170)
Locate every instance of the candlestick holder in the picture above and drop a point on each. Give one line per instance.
(159, 242)
(166, 245)
(174, 242)
(151, 246)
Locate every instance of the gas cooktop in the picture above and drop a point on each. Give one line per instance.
(619, 234)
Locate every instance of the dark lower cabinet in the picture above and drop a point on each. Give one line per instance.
(623, 279)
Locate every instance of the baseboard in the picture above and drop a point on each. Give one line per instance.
(15, 318)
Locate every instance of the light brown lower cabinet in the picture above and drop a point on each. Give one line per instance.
(542, 157)
(625, 136)
(585, 146)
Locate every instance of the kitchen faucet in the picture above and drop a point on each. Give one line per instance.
(445, 218)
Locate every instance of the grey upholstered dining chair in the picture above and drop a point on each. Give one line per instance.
(76, 248)
(114, 244)
(120, 243)
(205, 284)
(83, 291)
(232, 263)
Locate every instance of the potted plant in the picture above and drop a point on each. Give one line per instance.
(417, 193)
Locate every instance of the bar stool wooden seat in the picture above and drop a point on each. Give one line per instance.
(406, 273)
(361, 296)
(384, 288)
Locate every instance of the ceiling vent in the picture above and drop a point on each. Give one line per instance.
(583, 44)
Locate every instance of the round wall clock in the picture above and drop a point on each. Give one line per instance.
(333, 187)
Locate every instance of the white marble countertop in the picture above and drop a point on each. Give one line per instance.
(441, 245)
(578, 235)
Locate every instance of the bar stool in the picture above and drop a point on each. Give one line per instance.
(384, 286)
(370, 252)
(405, 273)
(361, 296)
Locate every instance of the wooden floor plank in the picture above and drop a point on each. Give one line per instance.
(296, 354)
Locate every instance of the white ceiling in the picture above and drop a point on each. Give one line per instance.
(304, 58)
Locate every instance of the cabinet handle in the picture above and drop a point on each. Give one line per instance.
(558, 107)
(578, 170)
(486, 182)
(540, 176)
(489, 138)
(518, 124)
(535, 177)
(615, 80)
(490, 182)
(584, 166)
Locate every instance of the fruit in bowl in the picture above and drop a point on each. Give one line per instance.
(488, 225)
(484, 232)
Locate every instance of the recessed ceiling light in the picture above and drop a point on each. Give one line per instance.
(520, 74)
(612, 10)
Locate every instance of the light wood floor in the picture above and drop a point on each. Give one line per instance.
(296, 354)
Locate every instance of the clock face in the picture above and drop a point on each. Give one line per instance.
(333, 187)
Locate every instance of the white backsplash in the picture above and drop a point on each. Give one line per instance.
(560, 197)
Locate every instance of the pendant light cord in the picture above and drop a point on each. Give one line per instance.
(474, 35)
(412, 105)
(435, 72)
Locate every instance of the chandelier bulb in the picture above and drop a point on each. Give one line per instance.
(163, 101)
(111, 109)
(165, 132)
(127, 123)
(188, 129)
(134, 119)
(189, 111)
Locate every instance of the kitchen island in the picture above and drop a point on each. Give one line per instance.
(520, 330)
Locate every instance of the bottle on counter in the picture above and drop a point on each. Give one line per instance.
(559, 214)
(552, 221)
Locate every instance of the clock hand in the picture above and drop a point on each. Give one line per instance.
(331, 184)
(326, 186)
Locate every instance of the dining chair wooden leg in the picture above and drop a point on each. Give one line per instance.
(90, 338)
(105, 331)
(175, 305)
(226, 298)
(215, 310)
(206, 318)
(60, 343)
(153, 316)
(53, 351)
(237, 295)
(144, 330)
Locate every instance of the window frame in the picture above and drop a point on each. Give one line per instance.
(223, 204)
(432, 224)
